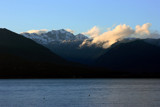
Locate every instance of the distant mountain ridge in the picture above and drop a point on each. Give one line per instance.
(54, 35)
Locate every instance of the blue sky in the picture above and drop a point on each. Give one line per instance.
(78, 15)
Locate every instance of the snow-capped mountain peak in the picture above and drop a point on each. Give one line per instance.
(54, 35)
(81, 37)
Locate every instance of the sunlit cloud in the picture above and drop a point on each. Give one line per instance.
(119, 32)
(36, 31)
(69, 30)
(144, 29)
(93, 32)
(112, 36)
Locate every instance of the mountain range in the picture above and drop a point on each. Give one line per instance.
(21, 57)
(59, 53)
(54, 35)
(67, 45)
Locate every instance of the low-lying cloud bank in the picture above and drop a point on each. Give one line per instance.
(121, 31)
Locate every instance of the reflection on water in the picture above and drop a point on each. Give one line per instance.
(80, 93)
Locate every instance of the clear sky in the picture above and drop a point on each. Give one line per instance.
(78, 15)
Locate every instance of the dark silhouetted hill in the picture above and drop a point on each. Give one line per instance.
(15, 44)
(136, 56)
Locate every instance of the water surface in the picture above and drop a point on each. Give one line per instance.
(80, 93)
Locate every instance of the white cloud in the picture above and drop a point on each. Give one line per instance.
(120, 32)
(95, 31)
(69, 30)
(144, 29)
(110, 37)
(37, 31)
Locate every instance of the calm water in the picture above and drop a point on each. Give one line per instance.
(80, 93)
